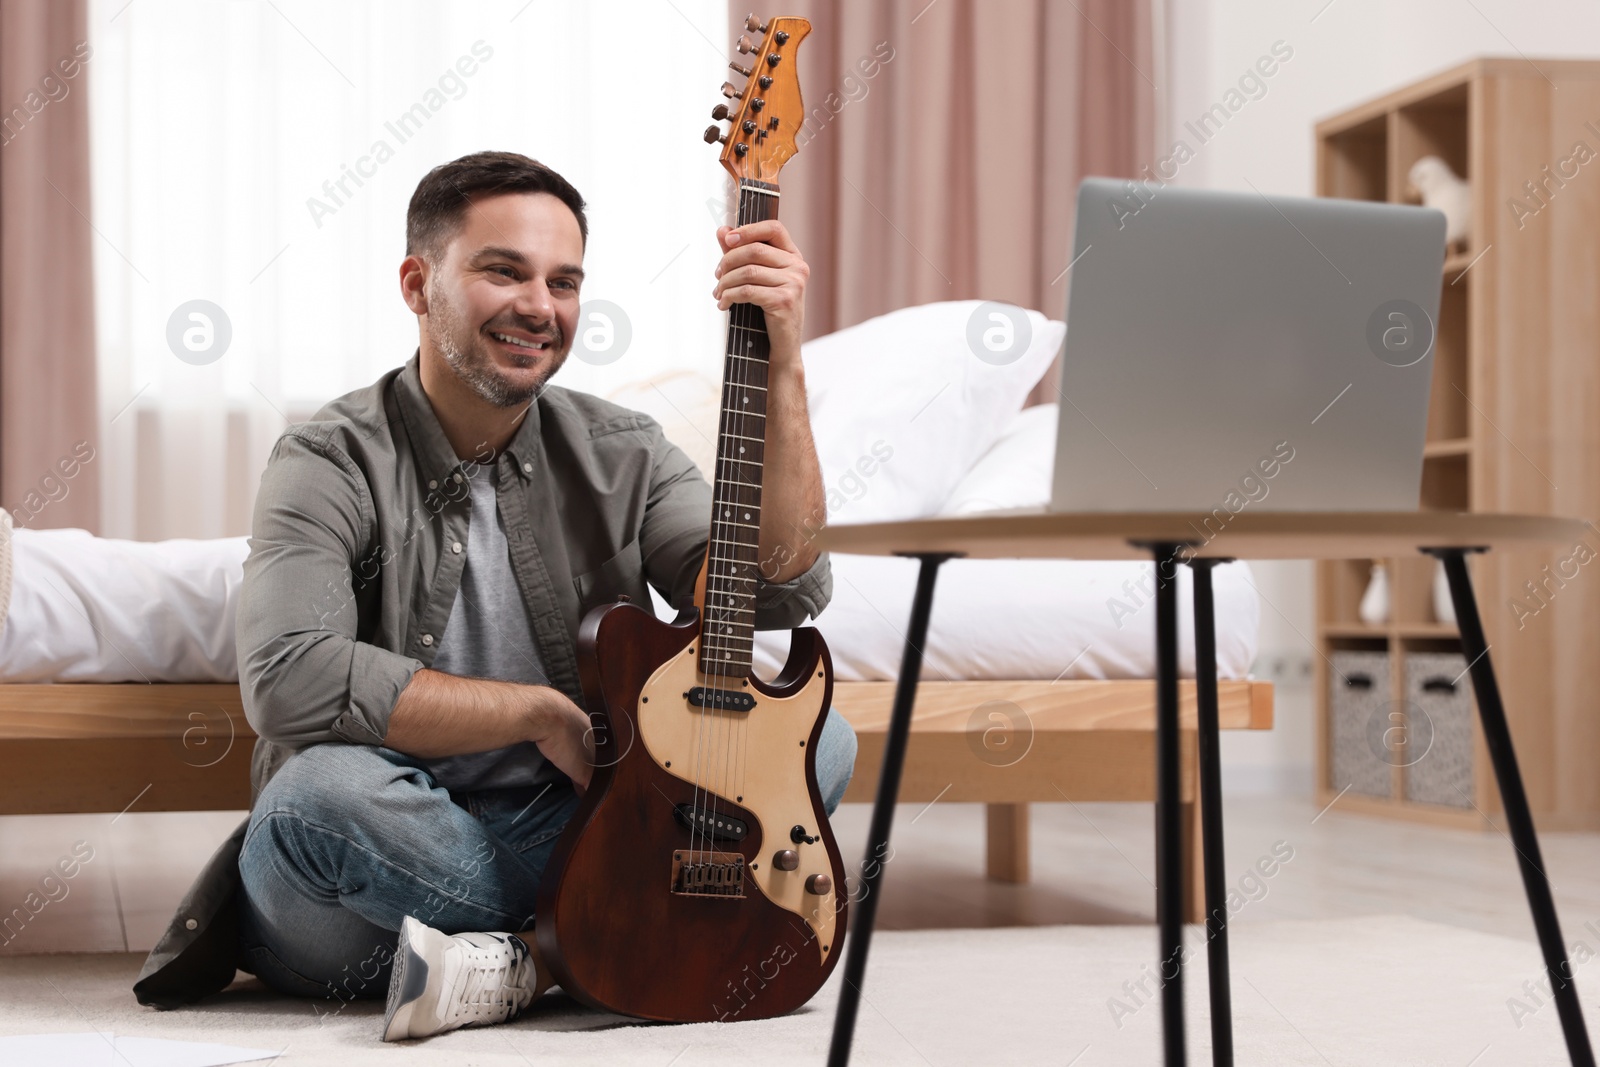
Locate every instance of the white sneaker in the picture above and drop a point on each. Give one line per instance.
(442, 982)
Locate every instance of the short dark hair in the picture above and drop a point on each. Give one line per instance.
(444, 193)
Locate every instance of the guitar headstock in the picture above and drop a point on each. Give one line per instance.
(768, 112)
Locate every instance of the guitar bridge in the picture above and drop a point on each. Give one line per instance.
(708, 874)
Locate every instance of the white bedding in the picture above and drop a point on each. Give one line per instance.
(1007, 618)
(96, 609)
(91, 609)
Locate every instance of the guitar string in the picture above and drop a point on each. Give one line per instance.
(741, 320)
(761, 210)
(702, 814)
(734, 726)
(760, 205)
(743, 341)
(714, 562)
(732, 422)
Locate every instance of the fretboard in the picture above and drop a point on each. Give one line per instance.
(733, 564)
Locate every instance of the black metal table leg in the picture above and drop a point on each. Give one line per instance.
(1497, 737)
(1209, 744)
(894, 755)
(1169, 884)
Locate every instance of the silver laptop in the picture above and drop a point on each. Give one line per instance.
(1239, 350)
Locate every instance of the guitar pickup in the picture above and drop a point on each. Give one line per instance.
(728, 699)
(715, 824)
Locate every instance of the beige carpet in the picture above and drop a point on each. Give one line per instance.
(1373, 991)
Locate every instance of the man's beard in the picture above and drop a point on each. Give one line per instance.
(467, 352)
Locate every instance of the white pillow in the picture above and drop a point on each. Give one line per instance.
(97, 609)
(903, 405)
(1015, 472)
(687, 405)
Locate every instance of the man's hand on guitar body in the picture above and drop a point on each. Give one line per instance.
(442, 714)
(564, 734)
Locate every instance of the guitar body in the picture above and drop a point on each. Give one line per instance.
(622, 926)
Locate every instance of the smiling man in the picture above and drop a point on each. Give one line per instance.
(424, 550)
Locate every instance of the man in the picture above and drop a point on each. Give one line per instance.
(423, 552)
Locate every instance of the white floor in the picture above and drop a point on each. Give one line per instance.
(1093, 863)
(1093, 867)
(1387, 991)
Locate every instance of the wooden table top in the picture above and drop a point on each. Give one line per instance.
(1036, 534)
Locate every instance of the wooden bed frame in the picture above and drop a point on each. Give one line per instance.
(1005, 744)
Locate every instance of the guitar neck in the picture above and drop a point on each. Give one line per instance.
(733, 561)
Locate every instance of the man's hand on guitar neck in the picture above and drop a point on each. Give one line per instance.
(762, 266)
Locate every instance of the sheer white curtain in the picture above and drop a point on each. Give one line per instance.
(259, 157)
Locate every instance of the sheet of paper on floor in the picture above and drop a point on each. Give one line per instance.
(107, 1050)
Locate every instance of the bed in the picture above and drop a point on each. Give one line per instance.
(1032, 693)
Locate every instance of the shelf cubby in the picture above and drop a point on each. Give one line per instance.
(1411, 590)
(1433, 126)
(1355, 165)
(1342, 583)
(1444, 483)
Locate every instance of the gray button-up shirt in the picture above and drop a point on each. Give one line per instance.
(352, 574)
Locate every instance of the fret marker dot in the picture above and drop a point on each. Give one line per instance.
(747, 400)
(741, 448)
(747, 514)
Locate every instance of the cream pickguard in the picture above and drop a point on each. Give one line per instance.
(766, 743)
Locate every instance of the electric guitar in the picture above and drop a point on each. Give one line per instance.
(698, 879)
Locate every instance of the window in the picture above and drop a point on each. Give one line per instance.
(259, 157)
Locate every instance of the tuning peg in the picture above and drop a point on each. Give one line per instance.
(746, 71)
(719, 112)
(744, 45)
(729, 91)
(714, 134)
(753, 24)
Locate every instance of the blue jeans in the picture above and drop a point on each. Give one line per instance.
(347, 840)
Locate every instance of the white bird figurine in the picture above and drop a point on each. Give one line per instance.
(1439, 188)
(1374, 606)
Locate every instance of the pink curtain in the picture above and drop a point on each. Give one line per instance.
(49, 439)
(944, 143)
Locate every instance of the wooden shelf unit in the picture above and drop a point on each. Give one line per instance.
(1513, 419)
